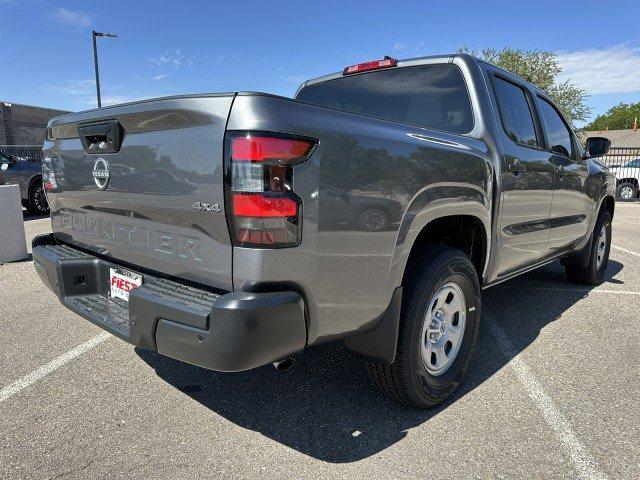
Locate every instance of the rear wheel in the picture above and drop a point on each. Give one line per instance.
(626, 191)
(593, 273)
(439, 325)
(37, 200)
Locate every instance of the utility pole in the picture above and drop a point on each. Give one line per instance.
(95, 34)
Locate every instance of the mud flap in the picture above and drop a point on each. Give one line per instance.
(380, 344)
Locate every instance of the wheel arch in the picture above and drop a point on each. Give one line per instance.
(436, 226)
(464, 232)
(609, 204)
(631, 180)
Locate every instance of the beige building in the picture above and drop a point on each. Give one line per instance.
(619, 138)
(24, 124)
(625, 144)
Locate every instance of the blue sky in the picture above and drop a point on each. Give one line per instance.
(186, 47)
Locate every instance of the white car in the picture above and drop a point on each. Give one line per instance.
(628, 178)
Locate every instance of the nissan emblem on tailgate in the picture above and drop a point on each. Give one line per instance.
(101, 173)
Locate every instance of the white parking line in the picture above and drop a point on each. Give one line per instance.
(44, 370)
(615, 292)
(348, 255)
(577, 290)
(585, 291)
(584, 464)
(625, 250)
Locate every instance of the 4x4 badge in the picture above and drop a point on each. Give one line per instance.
(206, 207)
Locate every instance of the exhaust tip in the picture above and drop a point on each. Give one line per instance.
(284, 365)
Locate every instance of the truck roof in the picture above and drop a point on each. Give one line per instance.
(430, 59)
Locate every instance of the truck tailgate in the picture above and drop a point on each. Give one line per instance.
(152, 198)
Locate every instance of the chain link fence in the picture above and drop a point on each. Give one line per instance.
(31, 153)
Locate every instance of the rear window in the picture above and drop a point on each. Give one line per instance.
(430, 96)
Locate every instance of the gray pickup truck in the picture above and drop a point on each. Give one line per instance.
(235, 230)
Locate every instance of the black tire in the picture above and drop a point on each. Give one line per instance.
(407, 380)
(628, 189)
(37, 200)
(373, 220)
(593, 274)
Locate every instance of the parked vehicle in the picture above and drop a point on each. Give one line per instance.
(247, 268)
(371, 213)
(28, 175)
(628, 176)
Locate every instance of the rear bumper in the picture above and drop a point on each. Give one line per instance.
(225, 332)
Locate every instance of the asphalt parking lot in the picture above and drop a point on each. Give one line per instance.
(553, 391)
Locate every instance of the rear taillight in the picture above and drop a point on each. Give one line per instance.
(49, 183)
(263, 209)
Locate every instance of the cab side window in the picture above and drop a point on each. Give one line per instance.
(515, 113)
(557, 132)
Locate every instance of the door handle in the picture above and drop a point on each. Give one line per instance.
(517, 167)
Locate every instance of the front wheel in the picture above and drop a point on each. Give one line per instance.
(439, 325)
(593, 273)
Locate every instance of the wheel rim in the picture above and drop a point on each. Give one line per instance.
(626, 192)
(373, 219)
(40, 200)
(601, 248)
(443, 328)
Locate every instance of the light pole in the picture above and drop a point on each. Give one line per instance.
(95, 34)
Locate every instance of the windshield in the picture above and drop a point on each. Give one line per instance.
(430, 96)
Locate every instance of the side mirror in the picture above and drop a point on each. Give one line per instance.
(597, 146)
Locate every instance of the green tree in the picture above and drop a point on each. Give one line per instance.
(540, 68)
(619, 117)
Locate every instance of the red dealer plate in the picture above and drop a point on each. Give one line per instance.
(122, 282)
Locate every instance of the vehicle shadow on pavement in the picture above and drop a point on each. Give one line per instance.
(325, 406)
(27, 217)
(26, 259)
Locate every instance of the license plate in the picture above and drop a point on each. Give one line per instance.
(122, 282)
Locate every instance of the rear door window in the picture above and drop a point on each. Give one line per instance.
(515, 113)
(430, 96)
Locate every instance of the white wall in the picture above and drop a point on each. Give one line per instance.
(13, 245)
